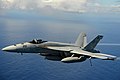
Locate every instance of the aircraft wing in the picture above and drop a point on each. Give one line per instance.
(76, 50)
(95, 55)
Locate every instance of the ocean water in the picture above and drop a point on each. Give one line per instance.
(16, 27)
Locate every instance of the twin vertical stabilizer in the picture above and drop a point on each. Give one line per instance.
(82, 42)
(93, 43)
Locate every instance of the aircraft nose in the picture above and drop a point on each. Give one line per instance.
(9, 48)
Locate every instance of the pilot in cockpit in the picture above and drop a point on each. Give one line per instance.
(35, 41)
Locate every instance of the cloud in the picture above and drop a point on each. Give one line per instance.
(71, 5)
(64, 5)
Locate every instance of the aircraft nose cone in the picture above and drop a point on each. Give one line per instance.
(9, 48)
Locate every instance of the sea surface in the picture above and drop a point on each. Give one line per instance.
(20, 26)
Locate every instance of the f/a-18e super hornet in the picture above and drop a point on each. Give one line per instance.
(65, 52)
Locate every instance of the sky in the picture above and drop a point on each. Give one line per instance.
(64, 5)
(68, 17)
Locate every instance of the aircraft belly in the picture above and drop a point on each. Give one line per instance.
(53, 58)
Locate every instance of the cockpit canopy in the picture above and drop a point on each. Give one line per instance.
(37, 41)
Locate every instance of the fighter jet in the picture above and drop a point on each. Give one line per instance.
(64, 52)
